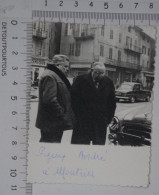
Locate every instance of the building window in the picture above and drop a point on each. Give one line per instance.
(130, 42)
(71, 26)
(110, 53)
(119, 56)
(111, 34)
(102, 30)
(135, 45)
(66, 29)
(127, 41)
(71, 51)
(78, 49)
(148, 53)
(143, 49)
(129, 28)
(147, 63)
(143, 63)
(34, 26)
(120, 37)
(101, 50)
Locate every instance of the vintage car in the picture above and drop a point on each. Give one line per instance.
(132, 127)
(132, 92)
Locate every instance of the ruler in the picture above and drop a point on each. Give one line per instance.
(15, 52)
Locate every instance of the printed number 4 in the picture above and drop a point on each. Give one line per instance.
(91, 4)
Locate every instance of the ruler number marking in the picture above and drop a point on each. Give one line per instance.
(14, 157)
(121, 5)
(45, 2)
(151, 5)
(14, 52)
(14, 143)
(13, 187)
(14, 22)
(91, 4)
(136, 4)
(106, 5)
(13, 172)
(15, 128)
(76, 4)
(14, 68)
(15, 83)
(61, 3)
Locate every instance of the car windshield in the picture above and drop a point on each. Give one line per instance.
(125, 87)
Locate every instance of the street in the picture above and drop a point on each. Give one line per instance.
(34, 133)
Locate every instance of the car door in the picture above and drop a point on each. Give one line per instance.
(136, 90)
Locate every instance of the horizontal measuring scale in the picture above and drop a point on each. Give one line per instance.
(90, 17)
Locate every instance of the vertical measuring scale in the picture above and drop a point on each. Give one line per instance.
(15, 78)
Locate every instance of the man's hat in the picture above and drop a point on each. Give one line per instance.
(60, 60)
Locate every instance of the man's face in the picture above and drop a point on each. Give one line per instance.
(64, 68)
(98, 73)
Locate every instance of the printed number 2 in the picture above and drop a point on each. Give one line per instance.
(61, 3)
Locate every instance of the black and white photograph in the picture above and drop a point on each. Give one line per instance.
(91, 103)
(92, 84)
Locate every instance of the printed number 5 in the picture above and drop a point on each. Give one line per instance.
(106, 5)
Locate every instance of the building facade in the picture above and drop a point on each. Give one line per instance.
(127, 52)
(46, 43)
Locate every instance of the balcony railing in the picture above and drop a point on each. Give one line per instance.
(148, 69)
(133, 48)
(87, 34)
(39, 34)
(123, 64)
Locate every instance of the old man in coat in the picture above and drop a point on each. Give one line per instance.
(93, 102)
(54, 111)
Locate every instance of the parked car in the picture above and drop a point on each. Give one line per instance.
(132, 127)
(132, 92)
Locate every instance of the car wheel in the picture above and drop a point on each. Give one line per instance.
(132, 99)
(147, 98)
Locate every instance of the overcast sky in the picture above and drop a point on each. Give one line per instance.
(150, 30)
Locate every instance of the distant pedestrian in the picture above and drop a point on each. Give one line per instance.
(93, 102)
(54, 111)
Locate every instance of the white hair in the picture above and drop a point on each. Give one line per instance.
(99, 64)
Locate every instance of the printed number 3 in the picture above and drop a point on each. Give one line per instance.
(76, 4)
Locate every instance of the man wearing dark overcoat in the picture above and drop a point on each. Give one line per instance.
(54, 110)
(93, 103)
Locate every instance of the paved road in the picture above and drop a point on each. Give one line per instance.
(34, 134)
